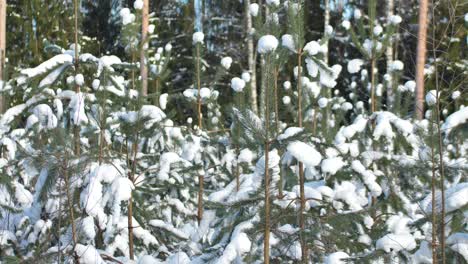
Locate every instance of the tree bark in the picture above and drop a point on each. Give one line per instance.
(389, 57)
(144, 47)
(3, 7)
(421, 59)
(251, 58)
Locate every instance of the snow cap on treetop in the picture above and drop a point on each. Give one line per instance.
(287, 85)
(455, 95)
(378, 30)
(267, 43)
(431, 97)
(79, 79)
(346, 25)
(312, 48)
(395, 19)
(253, 9)
(226, 62)
(198, 37)
(151, 28)
(237, 84)
(355, 65)
(246, 77)
(138, 4)
(127, 17)
(397, 65)
(357, 14)
(287, 41)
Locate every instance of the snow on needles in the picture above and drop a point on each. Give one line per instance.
(266, 44)
(237, 84)
(198, 38)
(305, 153)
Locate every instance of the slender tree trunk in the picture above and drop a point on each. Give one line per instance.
(3, 7)
(76, 128)
(277, 124)
(421, 58)
(301, 166)
(130, 201)
(266, 242)
(200, 125)
(130, 227)
(326, 23)
(441, 158)
(434, 244)
(389, 55)
(70, 206)
(251, 58)
(144, 48)
(199, 102)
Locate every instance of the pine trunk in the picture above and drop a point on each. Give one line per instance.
(251, 58)
(144, 47)
(389, 56)
(421, 59)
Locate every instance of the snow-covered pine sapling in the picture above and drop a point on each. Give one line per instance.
(392, 79)
(432, 97)
(371, 44)
(238, 86)
(295, 43)
(197, 40)
(131, 25)
(266, 46)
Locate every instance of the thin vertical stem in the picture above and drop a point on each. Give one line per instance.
(373, 107)
(200, 126)
(76, 128)
(301, 166)
(70, 204)
(433, 197)
(277, 123)
(266, 242)
(130, 201)
(199, 103)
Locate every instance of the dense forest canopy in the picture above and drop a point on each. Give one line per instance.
(240, 131)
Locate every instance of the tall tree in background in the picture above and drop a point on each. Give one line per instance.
(144, 48)
(421, 59)
(3, 6)
(389, 55)
(251, 57)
